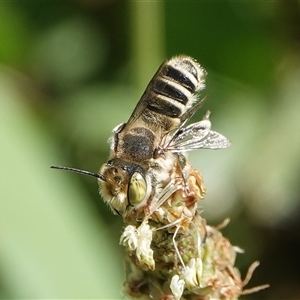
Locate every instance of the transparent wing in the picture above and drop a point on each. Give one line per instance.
(203, 140)
(196, 136)
(144, 101)
(140, 107)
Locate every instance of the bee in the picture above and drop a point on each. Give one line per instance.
(144, 150)
(171, 252)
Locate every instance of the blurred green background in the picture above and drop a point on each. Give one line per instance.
(70, 71)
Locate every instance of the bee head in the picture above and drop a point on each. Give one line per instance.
(125, 185)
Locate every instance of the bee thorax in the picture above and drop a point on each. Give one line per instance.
(136, 144)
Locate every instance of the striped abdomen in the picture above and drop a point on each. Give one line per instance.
(172, 89)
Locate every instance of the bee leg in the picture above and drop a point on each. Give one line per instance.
(162, 147)
(164, 195)
(184, 175)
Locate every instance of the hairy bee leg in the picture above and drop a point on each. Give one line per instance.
(162, 197)
(184, 176)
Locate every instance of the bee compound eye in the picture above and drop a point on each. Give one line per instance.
(137, 189)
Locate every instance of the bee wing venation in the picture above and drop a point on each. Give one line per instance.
(144, 100)
(140, 107)
(197, 136)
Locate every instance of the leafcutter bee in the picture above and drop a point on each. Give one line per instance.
(171, 252)
(145, 148)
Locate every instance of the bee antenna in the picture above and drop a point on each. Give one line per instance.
(101, 177)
